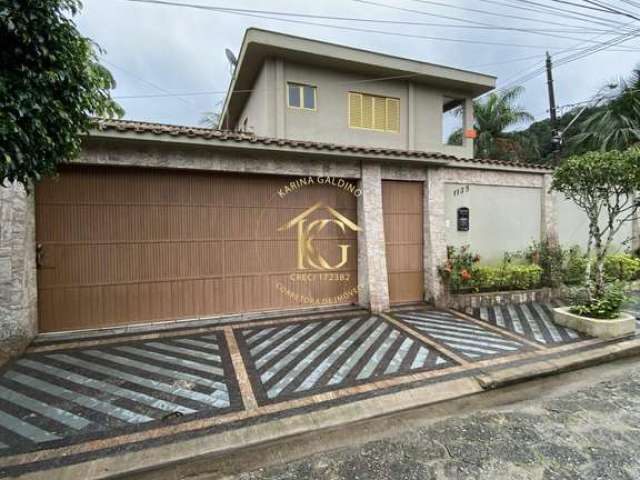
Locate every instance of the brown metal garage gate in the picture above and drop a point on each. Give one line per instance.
(127, 245)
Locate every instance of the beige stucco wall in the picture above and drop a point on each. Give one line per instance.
(260, 105)
(420, 109)
(502, 218)
(573, 226)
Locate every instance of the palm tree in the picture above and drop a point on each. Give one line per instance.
(616, 125)
(493, 116)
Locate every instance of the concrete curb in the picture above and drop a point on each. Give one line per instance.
(190, 458)
(545, 367)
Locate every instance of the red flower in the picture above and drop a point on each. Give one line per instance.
(465, 275)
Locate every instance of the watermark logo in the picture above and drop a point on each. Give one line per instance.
(307, 255)
(322, 240)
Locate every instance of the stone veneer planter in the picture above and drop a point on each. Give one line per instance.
(622, 326)
(466, 301)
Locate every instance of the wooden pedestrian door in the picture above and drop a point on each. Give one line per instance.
(130, 245)
(402, 204)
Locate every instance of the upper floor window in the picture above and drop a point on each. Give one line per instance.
(374, 112)
(453, 121)
(301, 96)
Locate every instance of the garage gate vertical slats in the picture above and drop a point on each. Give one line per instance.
(402, 204)
(125, 245)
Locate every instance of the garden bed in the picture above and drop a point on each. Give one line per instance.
(622, 326)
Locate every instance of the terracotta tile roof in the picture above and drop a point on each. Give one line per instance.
(130, 126)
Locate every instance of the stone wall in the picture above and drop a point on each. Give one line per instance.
(18, 290)
(466, 302)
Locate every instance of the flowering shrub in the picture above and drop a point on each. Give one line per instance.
(463, 274)
(457, 269)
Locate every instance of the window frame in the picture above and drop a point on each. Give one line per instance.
(372, 97)
(301, 89)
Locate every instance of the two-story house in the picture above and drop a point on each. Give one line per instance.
(300, 89)
(327, 185)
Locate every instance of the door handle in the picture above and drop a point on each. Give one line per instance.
(39, 256)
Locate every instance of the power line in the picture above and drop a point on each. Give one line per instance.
(147, 82)
(485, 12)
(351, 82)
(549, 11)
(573, 57)
(359, 19)
(616, 11)
(339, 27)
(430, 14)
(374, 20)
(564, 10)
(183, 94)
(579, 5)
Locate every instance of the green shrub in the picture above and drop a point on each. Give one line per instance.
(504, 277)
(621, 266)
(575, 266)
(550, 256)
(607, 306)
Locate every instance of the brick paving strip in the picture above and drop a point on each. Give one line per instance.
(277, 376)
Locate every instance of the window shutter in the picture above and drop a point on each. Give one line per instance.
(367, 111)
(380, 113)
(355, 110)
(393, 115)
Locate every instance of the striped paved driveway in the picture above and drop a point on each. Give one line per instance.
(531, 320)
(463, 337)
(305, 358)
(49, 398)
(68, 396)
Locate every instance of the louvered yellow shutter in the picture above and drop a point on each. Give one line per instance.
(367, 111)
(355, 110)
(393, 115)
(379, 113)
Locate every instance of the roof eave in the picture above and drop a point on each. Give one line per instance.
(238, 145)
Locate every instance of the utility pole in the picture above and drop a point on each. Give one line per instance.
(552, 97)
(552, 111)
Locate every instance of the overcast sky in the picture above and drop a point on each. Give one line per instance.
(156, 50)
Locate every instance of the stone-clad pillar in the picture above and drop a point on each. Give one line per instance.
(435, 242)
(18, 288)
(548, 224)
(372, 260)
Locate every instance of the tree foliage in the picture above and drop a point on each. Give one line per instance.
(51, 83)
(493, 116)
(601, 184)
(616, 126)
(613, 125)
